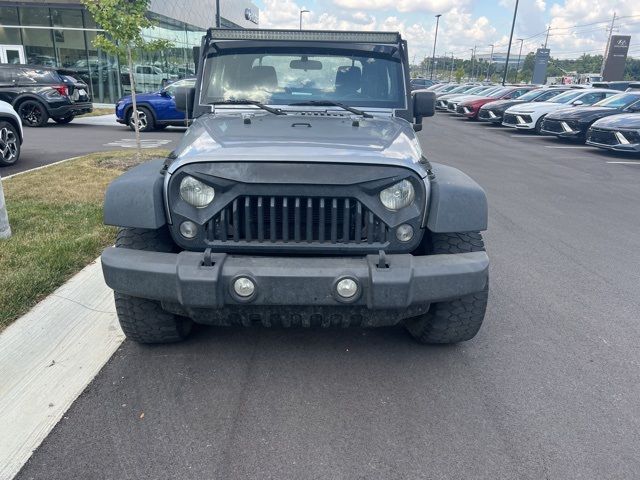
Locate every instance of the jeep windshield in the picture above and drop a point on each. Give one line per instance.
(278, 76)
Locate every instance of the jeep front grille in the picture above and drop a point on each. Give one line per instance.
(278, 219)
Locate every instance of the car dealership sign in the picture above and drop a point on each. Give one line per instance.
(540, 66)
(616, 58)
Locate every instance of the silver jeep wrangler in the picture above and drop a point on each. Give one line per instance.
(299, 196)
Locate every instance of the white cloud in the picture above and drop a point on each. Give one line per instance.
(463, 24)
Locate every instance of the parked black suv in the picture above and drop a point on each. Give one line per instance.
(39, 93)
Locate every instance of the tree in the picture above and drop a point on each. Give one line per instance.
(5, 229)
(123, 21)
(459, 74)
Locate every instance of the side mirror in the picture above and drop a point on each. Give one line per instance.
(424, 105)
(164, 93)
(577, 103)
(184, 98)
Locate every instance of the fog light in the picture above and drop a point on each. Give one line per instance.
(347, 288)
(404, 233)
(188, 229)
(244, 287)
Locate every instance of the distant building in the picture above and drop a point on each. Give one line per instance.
(60, 34)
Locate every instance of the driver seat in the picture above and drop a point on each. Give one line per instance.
(348, 80)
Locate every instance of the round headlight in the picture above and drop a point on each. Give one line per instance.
(398, 196)
(196, 193)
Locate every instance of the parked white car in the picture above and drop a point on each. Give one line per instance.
(529, 116)
(11, 135)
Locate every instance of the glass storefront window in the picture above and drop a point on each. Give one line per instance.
(66, 17)
(9, 36)
(38, 47)
(101, 70)
(9, 15)
(35, 16)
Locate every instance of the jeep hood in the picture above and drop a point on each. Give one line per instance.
(299, 138)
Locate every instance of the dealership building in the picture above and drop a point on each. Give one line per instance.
(60, 34)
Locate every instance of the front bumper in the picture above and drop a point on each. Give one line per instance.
(630, 148)
(184, 279)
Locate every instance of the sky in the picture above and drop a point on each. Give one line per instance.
(577, 26)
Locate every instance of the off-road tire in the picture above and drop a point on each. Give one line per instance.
(64, 120)
(142, 320)
(456, 320)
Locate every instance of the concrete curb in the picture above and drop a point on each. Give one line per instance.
(48, 357)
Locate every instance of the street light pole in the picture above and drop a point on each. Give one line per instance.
(473, 63)
(218, 19)
(513, 25)
(453, 62)
(521, 40)
(435, 39)
(490, 62)
(301, 12)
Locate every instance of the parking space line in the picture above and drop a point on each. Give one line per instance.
(627, 163)
(570, 147)
(524, 135)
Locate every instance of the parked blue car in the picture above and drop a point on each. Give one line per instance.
(156, 110)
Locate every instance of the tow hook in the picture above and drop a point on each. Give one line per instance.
(382, 260)
(207, 259)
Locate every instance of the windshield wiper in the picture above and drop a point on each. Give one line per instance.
(329, 103)
(245, 101)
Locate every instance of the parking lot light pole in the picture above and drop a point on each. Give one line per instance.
(490, 62)
(453, 62)
(301, 12)
(521, 40)
(513, 25)
(435, 39)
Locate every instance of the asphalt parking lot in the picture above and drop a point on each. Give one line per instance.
(547, 390)
(83, 135)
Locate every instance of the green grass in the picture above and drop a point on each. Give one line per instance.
(56, 219)
(99, 111)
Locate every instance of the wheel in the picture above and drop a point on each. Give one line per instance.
(145, 120)
(33, 113)
(456, 320)
(538, 127)
(63, 120)
(142, 320)
(9, 144)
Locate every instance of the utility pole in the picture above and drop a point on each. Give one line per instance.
(604, 57)
(435, 39)
(521, 40)
(301, 12)
(453, 62)
(546, 40)
(513, 25)
(490, 62)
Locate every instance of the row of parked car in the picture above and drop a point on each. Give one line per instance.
(597, 114)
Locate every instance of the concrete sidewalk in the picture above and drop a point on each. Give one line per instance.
(48, 357)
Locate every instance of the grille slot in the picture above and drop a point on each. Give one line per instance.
(275, 219)
(603, 137)
(553, 126)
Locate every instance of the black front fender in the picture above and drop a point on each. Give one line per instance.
(135, 199)
(457, 203)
